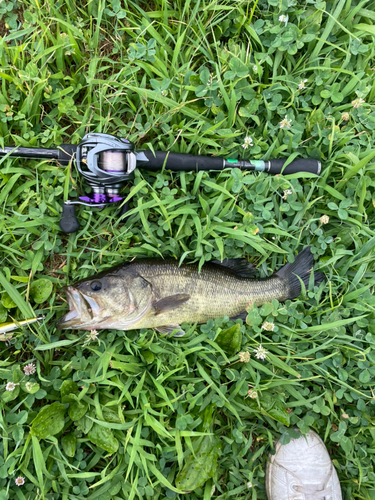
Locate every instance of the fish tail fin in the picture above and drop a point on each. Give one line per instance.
(300, 268)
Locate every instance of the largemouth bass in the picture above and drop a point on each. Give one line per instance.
(155, 293)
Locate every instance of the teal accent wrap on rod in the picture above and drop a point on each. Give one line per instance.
(258, 164)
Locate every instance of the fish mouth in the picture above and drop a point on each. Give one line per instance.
(83, 310)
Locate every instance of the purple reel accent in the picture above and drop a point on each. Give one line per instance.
(98, 198)
(101, 198)
(113, 198)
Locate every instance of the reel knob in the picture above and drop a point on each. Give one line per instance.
(69, 222)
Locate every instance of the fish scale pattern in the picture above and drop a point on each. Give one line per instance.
(214, 292)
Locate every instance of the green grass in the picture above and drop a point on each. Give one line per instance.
(192, 77)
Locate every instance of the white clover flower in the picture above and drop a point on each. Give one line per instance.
(29, 369)
(283, 18)
(286, 192)
(10, 386)
(252, 393)
(285, 123)
(255, 68)
(247, 142)
(19, 481)
(324, 219)
(357, 103)
(244, 357)
(164, 92)
(302, 84)
(269, 327)
(93, 335)
(249, 485)
(345, 117)
(260, 352)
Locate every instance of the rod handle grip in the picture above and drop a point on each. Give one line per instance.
(299, 165)
(180, 162)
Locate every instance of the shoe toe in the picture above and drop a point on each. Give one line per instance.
(309, 450)
(303, 463)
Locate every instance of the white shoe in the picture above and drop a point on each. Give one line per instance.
(302, 470)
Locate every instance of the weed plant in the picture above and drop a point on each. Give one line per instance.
(118, 415)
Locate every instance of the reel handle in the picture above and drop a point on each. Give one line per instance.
(69, 222)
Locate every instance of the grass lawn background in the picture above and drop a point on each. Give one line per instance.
(196, 77)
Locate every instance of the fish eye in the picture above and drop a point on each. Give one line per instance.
(96, 286)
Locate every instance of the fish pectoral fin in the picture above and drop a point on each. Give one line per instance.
(168, 329)
(169, 303)
(242, 315)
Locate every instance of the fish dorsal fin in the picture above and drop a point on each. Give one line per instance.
(168, 329)
(239, 267)
(170, 303)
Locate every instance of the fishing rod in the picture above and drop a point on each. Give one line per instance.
(107, 163)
